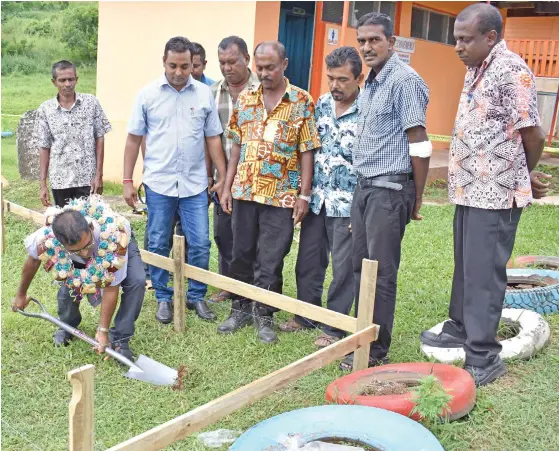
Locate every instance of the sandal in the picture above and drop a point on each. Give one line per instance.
(347, 363)
(325, 340)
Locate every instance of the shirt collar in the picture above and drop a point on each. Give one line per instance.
(78, 100)
(497, 50)
(287, 89)
(385, 71)
(163, 81)
(352, 109)
(253, 82)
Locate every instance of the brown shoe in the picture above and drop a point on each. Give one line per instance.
(291, 326)
(325, 340)
(222, 296)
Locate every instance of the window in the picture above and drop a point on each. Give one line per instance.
(359, 9)
(333, 12)
(432, 26)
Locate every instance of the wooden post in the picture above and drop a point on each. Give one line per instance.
(81, 409)
(178, 283)
(366, 307)
(3, 239)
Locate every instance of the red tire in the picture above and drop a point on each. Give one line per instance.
(456, 382)
(534, 260)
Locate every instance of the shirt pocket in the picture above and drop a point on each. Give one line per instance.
(383, 121)
(195, 119)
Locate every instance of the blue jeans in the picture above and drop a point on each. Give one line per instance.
(193, 213)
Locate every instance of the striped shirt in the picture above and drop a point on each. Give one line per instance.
(224, 103)
(392, 102)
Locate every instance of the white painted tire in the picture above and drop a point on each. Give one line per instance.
(533, 336)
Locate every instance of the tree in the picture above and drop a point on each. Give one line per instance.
(80, 32)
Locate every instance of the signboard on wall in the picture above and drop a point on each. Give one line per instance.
(405, 57)
(405, 45)
(332, 36)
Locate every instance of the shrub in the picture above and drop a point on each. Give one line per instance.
(39, 28)
(80, 32)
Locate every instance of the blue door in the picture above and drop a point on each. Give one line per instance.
(296, 31)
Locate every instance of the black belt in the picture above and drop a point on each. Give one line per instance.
(386, 181)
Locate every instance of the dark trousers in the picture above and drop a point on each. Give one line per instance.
(62, 196)
(223, 237)
(178, 231)
(262, 237)
(483, 243)
(378, 220)
(320, 236)
(131, 299)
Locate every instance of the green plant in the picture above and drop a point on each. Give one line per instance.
(431, 400)
(80, 32)
(39, 28)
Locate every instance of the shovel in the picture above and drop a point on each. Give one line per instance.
(144, 369)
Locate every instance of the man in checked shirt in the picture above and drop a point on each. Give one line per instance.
(391, 160)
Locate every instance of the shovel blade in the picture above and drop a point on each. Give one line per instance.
(148, 370)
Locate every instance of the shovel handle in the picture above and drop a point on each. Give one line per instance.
(43, 315)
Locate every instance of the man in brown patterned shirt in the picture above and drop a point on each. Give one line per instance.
(70, 130)
(496, 144)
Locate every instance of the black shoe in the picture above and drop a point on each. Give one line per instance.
(265, 332)
(164, 312)
(61, 338)
(347, 363)
(486, 375)
(124, 349)
(441, 340)
(202, 310)
(239, 317)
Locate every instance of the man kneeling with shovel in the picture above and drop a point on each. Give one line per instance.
(91, 250)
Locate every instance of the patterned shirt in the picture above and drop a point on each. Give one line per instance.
(70, 136)
(224, 102)
(269, 169)
(334, 180)
(487, 167)
(392, 102)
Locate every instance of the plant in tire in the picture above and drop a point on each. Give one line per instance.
(431, 400)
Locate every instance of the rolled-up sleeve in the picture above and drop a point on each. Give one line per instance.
(30, 243)
(410, 102)
(41, 130)
(233, 132)
(137, 125)
(212, 126)
(101, 125)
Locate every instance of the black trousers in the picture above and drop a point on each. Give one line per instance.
(223, 237)
(321, 236)
(62, 196)
(483, 243)
(378, 220)
(262, 236)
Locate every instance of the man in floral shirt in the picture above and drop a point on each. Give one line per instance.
(496, 144)
(325, 230)
(268, 182)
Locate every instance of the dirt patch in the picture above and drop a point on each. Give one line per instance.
(507, 329)
(347, 442)
(529, 282)
(378, 387)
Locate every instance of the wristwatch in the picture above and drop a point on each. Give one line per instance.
(103, 329)
(305, 198)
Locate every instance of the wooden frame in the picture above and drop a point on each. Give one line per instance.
(363, 333)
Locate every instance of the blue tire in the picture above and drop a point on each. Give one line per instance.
(368, 425)
(543, 300)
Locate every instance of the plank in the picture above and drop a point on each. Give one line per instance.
(180, 427)
(23, 212)
(157, 260)
(280, 301)
(367, 293)
(81, 409)
(178, 283)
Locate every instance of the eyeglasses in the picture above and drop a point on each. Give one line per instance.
(89, 246)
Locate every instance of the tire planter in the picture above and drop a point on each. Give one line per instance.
(455, 381)
(533, 336)
(539, 299)
(374, 427)
(532, 260)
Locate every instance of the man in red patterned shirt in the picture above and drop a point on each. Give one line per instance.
(496, 144)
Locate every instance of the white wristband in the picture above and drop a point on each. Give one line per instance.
(422, 150)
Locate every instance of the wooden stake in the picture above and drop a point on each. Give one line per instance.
(178, 283)
(366, 309)
(3, 240)
(81, 409)
(178, 428)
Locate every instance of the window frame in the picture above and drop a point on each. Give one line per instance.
(396, 5)
(436, 11)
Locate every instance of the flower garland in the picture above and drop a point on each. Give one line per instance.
(99, 270)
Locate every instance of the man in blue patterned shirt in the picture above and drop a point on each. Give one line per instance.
(326, 230)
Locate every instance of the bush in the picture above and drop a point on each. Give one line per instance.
(80, 32)
(39, 28)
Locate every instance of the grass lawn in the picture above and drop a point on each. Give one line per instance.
(519, 412)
